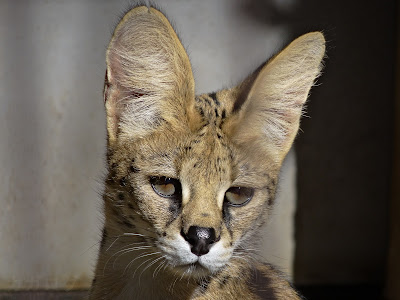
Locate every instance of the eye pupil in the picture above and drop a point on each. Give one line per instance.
(166, 187)
(238, 196)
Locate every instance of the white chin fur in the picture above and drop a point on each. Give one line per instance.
(217, 258)
(178, 252)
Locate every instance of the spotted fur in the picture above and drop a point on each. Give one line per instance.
(235, 137)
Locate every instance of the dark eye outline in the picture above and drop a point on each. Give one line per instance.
(163, 180)
(236, 190)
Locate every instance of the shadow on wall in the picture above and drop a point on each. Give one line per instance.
(344, 149)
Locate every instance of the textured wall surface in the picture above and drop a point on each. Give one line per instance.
(52, 125)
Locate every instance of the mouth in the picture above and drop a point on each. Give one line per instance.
(196, 265)
(195, 270)
(184, 262)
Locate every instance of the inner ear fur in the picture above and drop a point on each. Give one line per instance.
(269, 103)
(149, 79)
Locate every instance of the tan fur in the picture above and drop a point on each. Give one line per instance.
(157, 127)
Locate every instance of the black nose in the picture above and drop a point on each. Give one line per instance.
(201, 239)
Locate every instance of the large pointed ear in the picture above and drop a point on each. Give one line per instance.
(268, 105)
(149, 80)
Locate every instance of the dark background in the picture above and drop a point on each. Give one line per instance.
(345, 152)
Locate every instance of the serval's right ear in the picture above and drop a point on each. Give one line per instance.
(149, 81)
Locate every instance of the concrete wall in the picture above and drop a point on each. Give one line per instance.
(52, 125)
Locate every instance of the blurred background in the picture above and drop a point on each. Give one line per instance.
(336, 228)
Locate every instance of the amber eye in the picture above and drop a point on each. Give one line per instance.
(238, 196)
(166, 187)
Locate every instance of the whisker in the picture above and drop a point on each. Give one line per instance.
(243, 258)
(140, 256)
(173, 284)
(113, 243)
(154, 253)
(148, 230)
(149, 265)
(134, 234)
(155, 273)
(127, 250)
(98, 242)
(183, 274)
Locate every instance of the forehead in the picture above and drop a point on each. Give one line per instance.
(205, 154)
(212, 109)
(210, 140)
(208, 149)
(176, 145)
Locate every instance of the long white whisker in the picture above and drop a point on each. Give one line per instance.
(140, 256)
(113, 243)
(183, 274)
(156, 270)
(149, 265)
(135, 234)
(144, 262)
(125, 251)
(171, 287)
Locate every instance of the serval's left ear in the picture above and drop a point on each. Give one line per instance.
(149, 81)
(268, 104)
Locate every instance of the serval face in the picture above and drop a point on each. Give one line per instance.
(190, 177)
